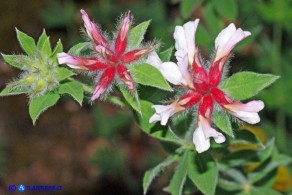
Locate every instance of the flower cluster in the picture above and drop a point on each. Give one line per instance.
(111, 56)
(199, 80)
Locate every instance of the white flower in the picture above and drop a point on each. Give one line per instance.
(247, 112)
(202, 134)
(185, 39)
(227, 39)
(164, 112)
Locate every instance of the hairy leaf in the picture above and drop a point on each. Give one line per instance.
(244, 85)
(203, 172)
(16, 60)
(132, 99)
(40, 104)
(166, 54)
(178, 179)
(78, 48)
(27, 43)
(13, 91)
(222, 121)
(63, 73)
(73, 88)
(44, 44)
(58, 49)
(148, 75)
(151, 174)
(136, 34)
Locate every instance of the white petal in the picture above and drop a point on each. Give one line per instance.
(249, 117)
(203, 133)
(180, 39)
(183, 66)
(202, 143)
(247, 112)
(180, 54)
(172, 73)
(224, 35)
(154, 60)
(154, 118)
(190, 31)
(210, 132)
(252, 106)
(227, 39)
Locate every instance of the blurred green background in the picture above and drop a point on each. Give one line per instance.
(99, 149)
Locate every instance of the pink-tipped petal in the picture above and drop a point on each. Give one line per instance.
(185, 38)
(206, 106)
(172, 74)
(105, 80)
(125, 76)
(183, 67)
(81, 63)
(190, 99)
(247, 112)
(92, 30)
(202, 135)
(215, 72)
(134, 55)
(227, 40)
(162, 113)
(121, 41)
(220, 97)
(201, 143)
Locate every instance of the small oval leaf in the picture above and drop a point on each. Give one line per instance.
(244, 85)
(148, 75)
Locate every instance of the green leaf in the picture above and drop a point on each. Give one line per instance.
(44, 44)
(58, 49)
(244, 85)
(15, 60)
(27, 43)
(227, 9)
(42, 103)
(42, 40)
(178, 179)
(148, 75)
(203, 172)
(222, 121)
(187, 7)
(13, 91)
(151, 174)
(236, 175)
(63, 73)
(229, 185)
(166, 54)
(136, 34)
(263, 191)
(155, 130)
(266, 152)
(73, 88)
(78, 48)
(143, 119)
(132, 99)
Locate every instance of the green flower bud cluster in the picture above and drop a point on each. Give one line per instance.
(40, 67)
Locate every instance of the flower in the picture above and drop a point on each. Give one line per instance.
(200, 84)
(111, 56)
